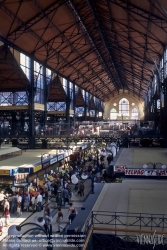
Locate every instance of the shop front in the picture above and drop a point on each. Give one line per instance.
(35, 174)
(20, 181)
(40, 172)
(7, 178)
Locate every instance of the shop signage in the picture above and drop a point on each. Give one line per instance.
(60, 157)
(37, 168)
(24, 170)
(140, 172)
(119, 169)
(52, 161)
(4, 172)
(14, 171)
(46, 164)
(21, 178)
(143, 172)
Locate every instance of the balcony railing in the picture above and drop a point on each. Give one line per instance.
(121, 229)
(9, 129)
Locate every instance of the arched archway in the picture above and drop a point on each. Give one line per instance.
(124, 106)
(139, 104)
(135, 113)
(113, 114)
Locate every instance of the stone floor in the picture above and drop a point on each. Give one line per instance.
(136, 157)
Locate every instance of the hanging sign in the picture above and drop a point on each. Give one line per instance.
(37, 168)
(140, 172)
(46, 164)
(4, 172)
(143, 172)
(119, 169)
(60, 157)
(52, 161)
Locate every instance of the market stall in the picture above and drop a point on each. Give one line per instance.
(7, 177)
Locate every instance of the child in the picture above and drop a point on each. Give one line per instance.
(7, 216)
(1, 225)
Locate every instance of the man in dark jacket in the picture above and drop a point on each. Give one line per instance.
(65, 196)
(55, 189)
(109, 158)
(81, 189)
(92, 182)
(72, 216)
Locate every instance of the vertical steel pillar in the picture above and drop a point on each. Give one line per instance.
(68, 100)
(74, 104)
(165, 114)
(85, 106)
(155, 98)
(31, 108)
(96, 109)
(45, 97)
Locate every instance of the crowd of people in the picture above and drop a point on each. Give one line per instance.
(60, 187)
(28, 201)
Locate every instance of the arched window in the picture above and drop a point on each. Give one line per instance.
(134, 113)
(124, 107)
(113, 114)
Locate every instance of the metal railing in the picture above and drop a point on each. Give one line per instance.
(117, 227)
(62, 128)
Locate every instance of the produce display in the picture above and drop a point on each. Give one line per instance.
(50, 178)
(40, 182)
(35, 193)
(31, 188)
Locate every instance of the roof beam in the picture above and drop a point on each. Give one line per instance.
(94, 46)
(101, 30)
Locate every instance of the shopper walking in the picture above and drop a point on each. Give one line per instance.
(33, 203)
(39, 202)
(59, 219)
(72, 216)
(81, 189)
(65, 196)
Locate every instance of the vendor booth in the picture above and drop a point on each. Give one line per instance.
(7, 177)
